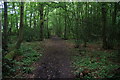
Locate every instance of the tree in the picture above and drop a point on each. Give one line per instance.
(65, 29)
(41, 21)
(5, 28)
(77, 25)
(104, 26)
(47, 14)
(81, 22)
(12, 54)
(20, 36)
(113, 27)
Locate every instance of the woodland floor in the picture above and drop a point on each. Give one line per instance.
(55, 62)
(58, 58)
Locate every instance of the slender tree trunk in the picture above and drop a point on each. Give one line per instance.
(85, 37)
(48, 34)
(114, 14)
(12, 54)
(5, 28)
(20, 36)
(10, 29)
(65, 30)
(104, 26)
(77, 26)
(41, 21)
(16, 17)
(113, 29)
(35, 26)
(30, 16)
(26, 23)
(34, 21)
(30, 19)
(69, 24)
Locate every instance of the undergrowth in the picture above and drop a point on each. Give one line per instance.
(22, 63)
(94, 64)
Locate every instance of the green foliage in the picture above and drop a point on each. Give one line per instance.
(10, 55)
(81, 22)
(7, 67)
(29, 36)
(29, 56)
(97, 62)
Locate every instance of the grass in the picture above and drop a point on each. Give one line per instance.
(96, 63)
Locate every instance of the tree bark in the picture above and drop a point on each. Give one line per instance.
(77, 19)
(30, 16)
(16, 17)
(65, 30)
(114, 14)
(5, 28)
(41, 21)
(104, 45)
(113, 29)
(85, 37)
(48, 33)
(20, 36)
(35, 20)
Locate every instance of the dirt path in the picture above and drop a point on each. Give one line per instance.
(55, 62)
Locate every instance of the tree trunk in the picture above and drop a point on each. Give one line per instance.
(48, 34)
(104, 46)
(65, 30)
(12, 54)
(5, 28)
(34, 20)
(114, 14)
(113, 29)
(10, 29)
(20, 36)
(86, 27)
(41, 21)
(16, 17)
(30, 18)
(77, 26)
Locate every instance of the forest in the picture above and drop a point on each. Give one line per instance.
(50, 40)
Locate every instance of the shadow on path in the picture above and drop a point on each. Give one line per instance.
(55, 62)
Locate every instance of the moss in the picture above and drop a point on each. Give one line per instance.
(10, 55)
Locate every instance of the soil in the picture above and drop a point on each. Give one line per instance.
(55, 62)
